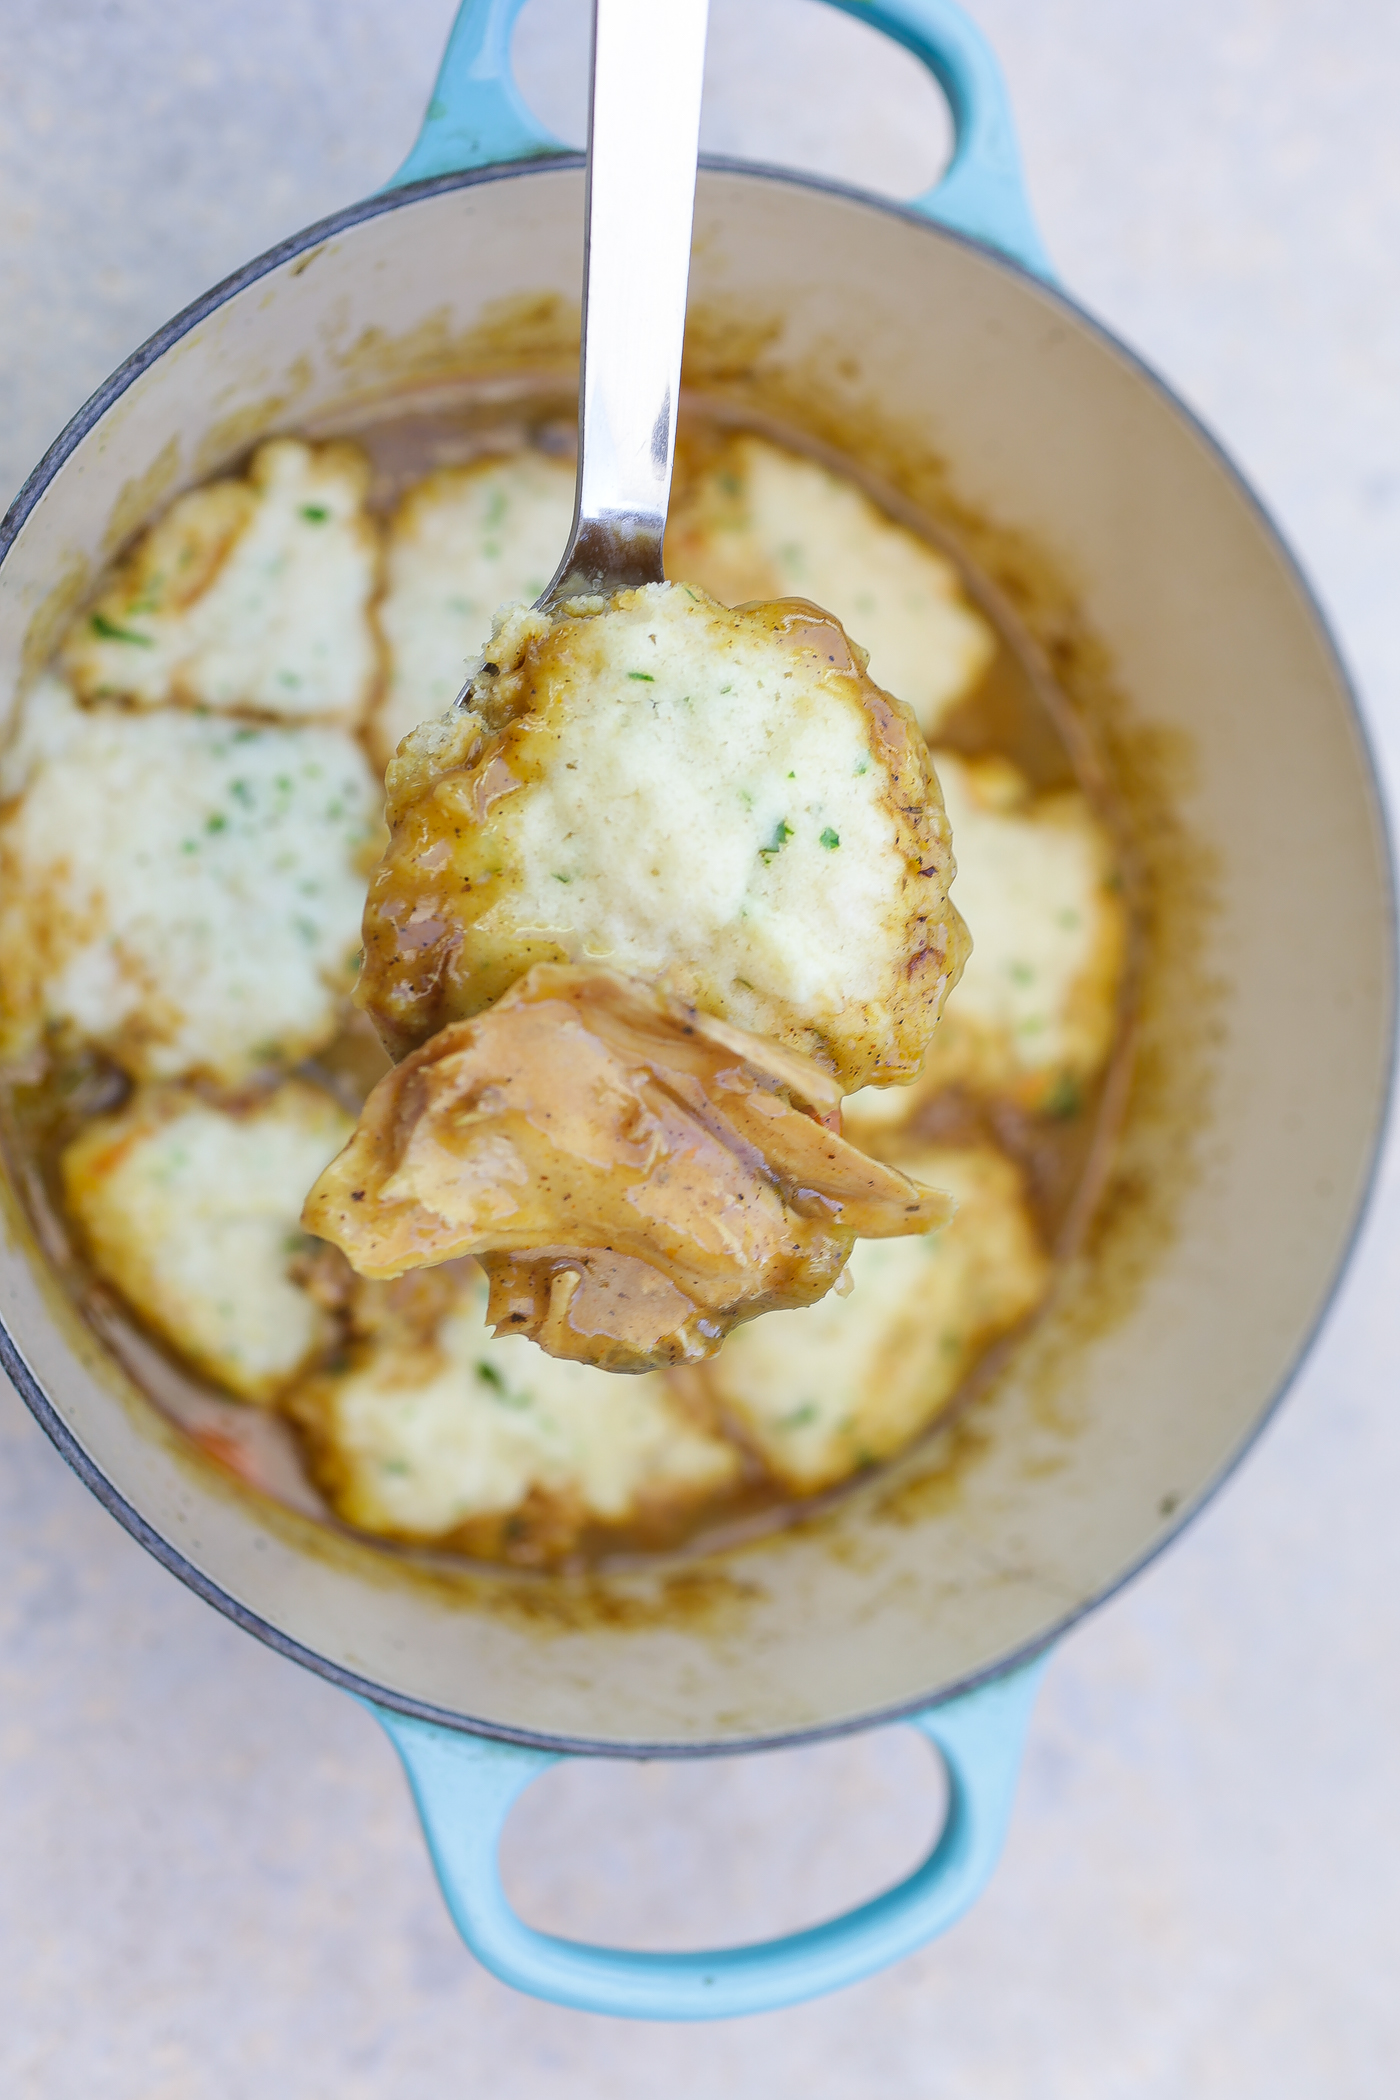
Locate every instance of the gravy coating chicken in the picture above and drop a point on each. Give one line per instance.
(634, 1177)
(719, 802)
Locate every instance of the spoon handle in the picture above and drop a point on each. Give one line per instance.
(643, 133)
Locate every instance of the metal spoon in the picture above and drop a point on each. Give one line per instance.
(643, 134)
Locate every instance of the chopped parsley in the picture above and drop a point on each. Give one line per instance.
(831, 839)
(645, 677)
(315, 513)
(799, 1416)
(490, 1376)
(781, 834)
(111, 632)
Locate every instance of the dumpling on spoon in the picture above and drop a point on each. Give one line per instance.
(720, 802)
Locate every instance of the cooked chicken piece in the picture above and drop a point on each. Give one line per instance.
(192, 1212)
(180, 889)
(760, 522)
(251, 594)
(717, 801)
(464, 542)
(1035, 1012)
(450, 1431)
(634, 1176)
(825, 1392)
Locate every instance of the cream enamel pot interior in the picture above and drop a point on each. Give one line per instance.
(1112, 1425)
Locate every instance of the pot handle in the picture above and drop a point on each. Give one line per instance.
(477, 119)
(465, 1787)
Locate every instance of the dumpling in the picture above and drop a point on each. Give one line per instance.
(824, 1392)
(761, 522)
(444, 1431)
(183, 890)
(718, 802)
(464, 542)
(1035, 1012)
(193, 1212)
(251, 595)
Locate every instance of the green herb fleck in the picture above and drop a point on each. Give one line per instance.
(782, 833)
(563, 878)
(1065, 1100)
(489, 1375)
(110, 632)
(800, 1416)
(830, 839)
(645, 677)
(315, 513)
(216, 823)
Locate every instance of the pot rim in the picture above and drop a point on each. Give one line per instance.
(72, 1451)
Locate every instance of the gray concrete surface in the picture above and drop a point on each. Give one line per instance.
(211, 1885)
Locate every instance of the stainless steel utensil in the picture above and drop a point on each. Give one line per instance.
(643, 135)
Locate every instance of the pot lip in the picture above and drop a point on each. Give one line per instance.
(56, 1428)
